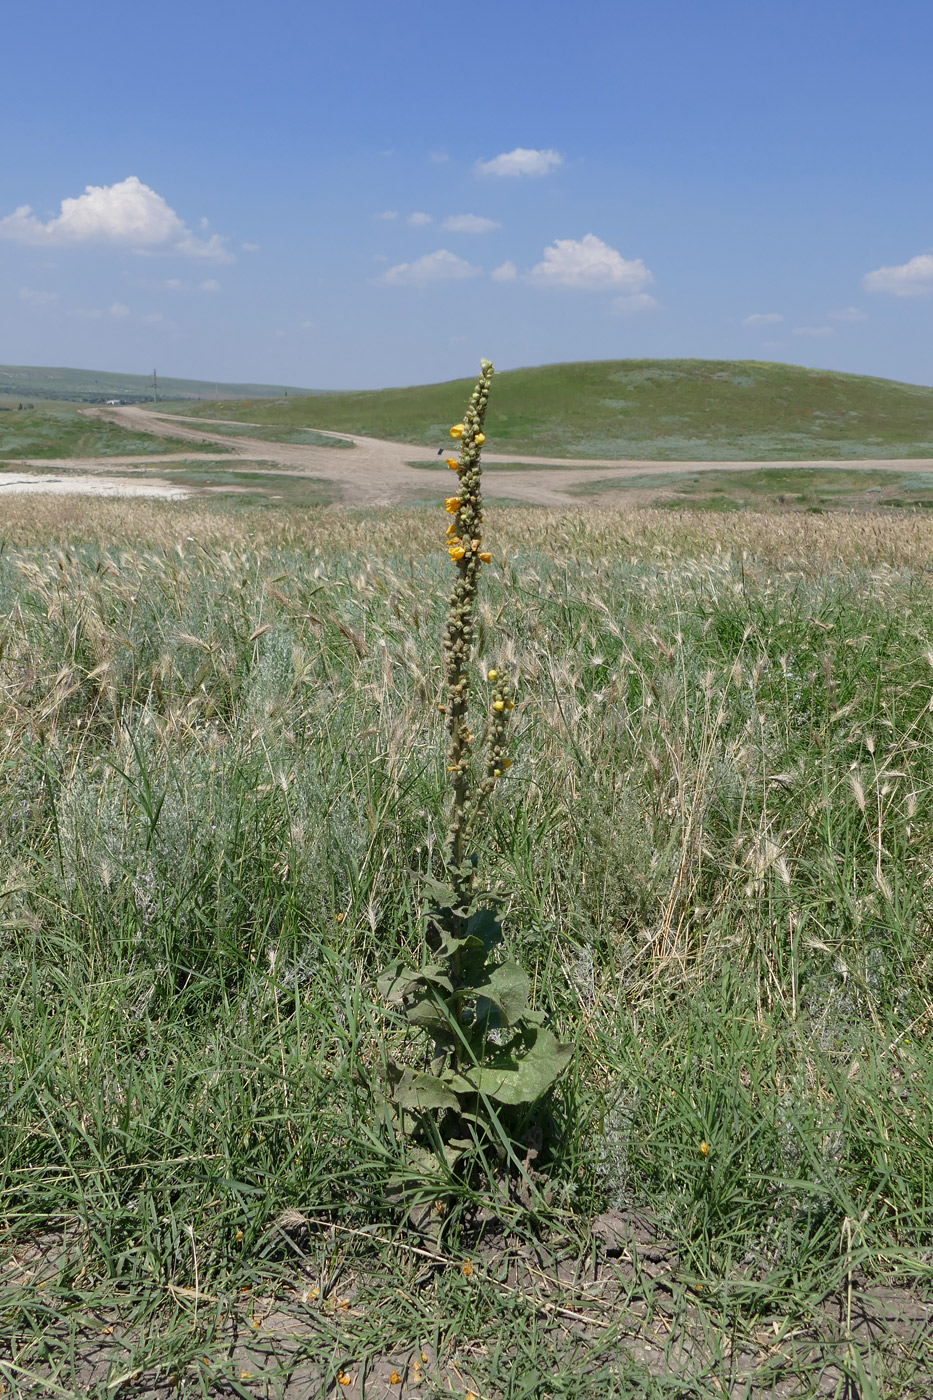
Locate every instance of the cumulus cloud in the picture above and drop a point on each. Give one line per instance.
(505, 272)
(763, 318)
(129, 215)
(441, 266)
(849, 314)
(419, 219)
(814, 332)
(520, 162)
(630, 306)
(910, 279)
(589, 264)
(470, 223)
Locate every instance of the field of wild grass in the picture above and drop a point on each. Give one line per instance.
(221, 776)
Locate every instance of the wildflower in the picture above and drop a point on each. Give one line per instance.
(491, 675)
(498, 705)
(480, 439)
(452, 505)
(238, 1236)
(486, 558)
(457, 430)
(452, 463)
(467, 1268)
(456, 552)
(395, 1378)
(452, 528)
(343, 1378)
(704, 1149)
(340, 918)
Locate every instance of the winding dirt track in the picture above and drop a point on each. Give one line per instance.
(375, 472)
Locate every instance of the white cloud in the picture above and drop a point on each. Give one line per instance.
(36, 298)
(470, 223)
(763, 318)
(438, 157)
(506, 272)
(441, 266)
(814, 332)
(849, 314)
(154, 318)
(128, 214)
(211, 285)
(118, 310)
(306, 325)
(630, 306)
(589, 265)
(911, 279)
(250, 247)
(419, 219)
(520, 162)
(174, 284)
(387, 214)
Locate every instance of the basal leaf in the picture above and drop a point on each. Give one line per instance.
(419, 1092)
(522, 1075)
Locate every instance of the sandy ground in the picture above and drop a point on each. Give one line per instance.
(76, 484)
(375, 472)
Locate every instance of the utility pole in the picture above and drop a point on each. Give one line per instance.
(155, 387)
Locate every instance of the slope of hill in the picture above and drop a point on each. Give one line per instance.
(666, 410)
(38, 383)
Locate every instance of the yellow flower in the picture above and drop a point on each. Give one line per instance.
(491, 675)
(498, 704)
(452, 463)
(506, 763)
(395, 1378)
(467, 1268)
(456, 552)
(480, 439)
(486, 558)
(343, 1378)
(510, 704)
(452, 505)
(457, 430)
(704, 1149)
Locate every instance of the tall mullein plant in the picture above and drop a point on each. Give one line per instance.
(489, 1051)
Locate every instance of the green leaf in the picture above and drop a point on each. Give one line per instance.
(418, 1092)
(397, 982)
(521, 1074)
(484, 925)
(431, 1014)
(507, 988)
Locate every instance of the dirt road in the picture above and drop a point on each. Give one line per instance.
(375, 472)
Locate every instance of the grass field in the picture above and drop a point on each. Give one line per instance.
(62, 432)
(665, 410)
(222, 775)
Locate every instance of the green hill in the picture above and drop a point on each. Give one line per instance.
(39, 383)
(666, 410)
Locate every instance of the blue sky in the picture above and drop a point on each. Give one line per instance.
(359, 194)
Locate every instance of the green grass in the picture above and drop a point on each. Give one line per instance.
(222, 773)
(64, 433)
(665, 410)
(835, 488)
